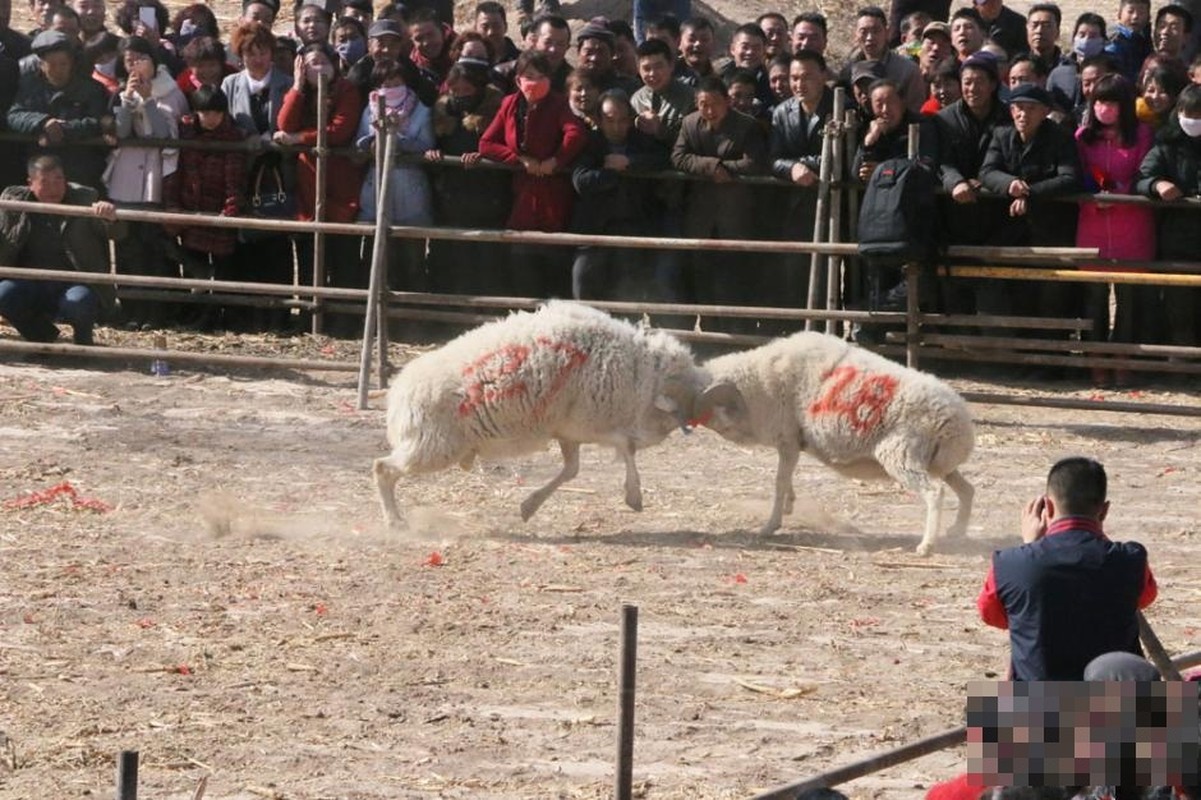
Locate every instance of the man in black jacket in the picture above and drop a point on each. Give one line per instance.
(609, 203)
(965, 130)
(797, 129)
(1003, 25)
(12, 43)
(59, 105)
(1171, 171)
(1030, 163)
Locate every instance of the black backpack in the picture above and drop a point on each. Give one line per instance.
(899, 221)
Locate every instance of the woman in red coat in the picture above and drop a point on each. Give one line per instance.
(536, 129)
(344, 178)
(298, 125)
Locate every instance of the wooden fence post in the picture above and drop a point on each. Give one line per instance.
(379, 253)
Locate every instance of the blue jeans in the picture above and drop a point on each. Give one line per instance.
(33, 307)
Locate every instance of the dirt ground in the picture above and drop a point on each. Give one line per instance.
(241, 613)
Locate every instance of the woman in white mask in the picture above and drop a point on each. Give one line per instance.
(1172, 170)
(1112, 144)
(410, 200)
(1066, 81)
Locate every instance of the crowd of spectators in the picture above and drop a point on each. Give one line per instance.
(1011, 112)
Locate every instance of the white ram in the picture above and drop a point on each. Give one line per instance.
(565, 372)
(859, 413)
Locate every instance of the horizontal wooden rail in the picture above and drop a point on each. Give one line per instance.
(1056, 345)
(1021, 254)
(1081, 404)
(254, 145)
(179, 356)
(999, 356)
(1073, 276)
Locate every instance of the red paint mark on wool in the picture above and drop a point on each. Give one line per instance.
(496, 376)
(859, 397)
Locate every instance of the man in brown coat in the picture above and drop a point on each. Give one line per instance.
(720, 144)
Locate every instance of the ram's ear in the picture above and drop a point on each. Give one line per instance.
(666, 404)
(721, 396)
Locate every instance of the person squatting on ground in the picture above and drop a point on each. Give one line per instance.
(47, 241)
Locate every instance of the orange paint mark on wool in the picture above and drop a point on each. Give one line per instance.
(495, 377)
(862, 399)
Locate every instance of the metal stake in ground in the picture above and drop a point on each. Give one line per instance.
(379, 251)
(127, 775)
(624, 782)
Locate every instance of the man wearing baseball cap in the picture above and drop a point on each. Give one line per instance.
(935, 48)
(388, 40)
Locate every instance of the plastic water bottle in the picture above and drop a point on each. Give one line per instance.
(159, 366)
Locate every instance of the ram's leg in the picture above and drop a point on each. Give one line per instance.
(782, 504)
(387, 473)
(914, 477)
(633, 482)
(571, 467)
(964, 491)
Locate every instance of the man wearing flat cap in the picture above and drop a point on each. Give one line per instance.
(1030, 163)
(59, 105)
(594, 45)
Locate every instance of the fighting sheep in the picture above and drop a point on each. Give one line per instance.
(565, 372)
(858, 413)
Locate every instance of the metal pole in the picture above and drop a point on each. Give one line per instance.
(379, 258)
(838, 173)
(623, 788)
(127, 775)
(322, 154)
(914, 134)
(819, 220)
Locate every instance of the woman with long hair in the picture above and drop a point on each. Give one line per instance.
(1112, 143)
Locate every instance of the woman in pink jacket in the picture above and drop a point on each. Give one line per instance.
(1112, 143)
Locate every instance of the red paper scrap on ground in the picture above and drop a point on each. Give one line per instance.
(321, 609)
(738, 578)
(434, 560)
(183, 669)
(62, 490)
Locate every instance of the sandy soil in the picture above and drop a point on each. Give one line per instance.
(242, 613)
